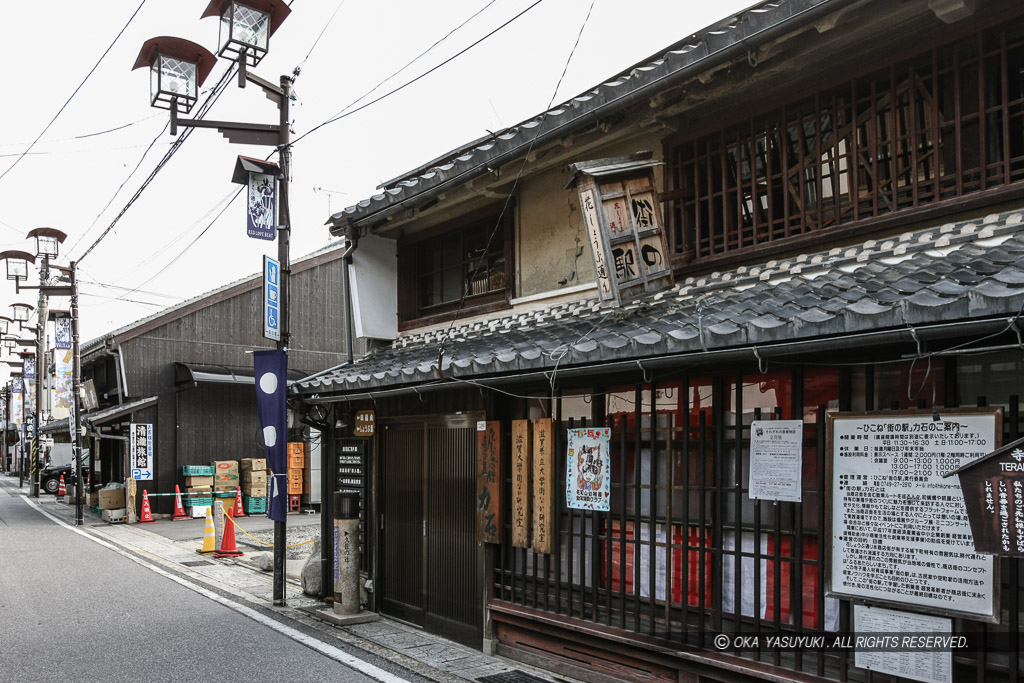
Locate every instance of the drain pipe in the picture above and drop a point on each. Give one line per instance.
(352, 239)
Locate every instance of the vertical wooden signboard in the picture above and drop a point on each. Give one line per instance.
(488, 482)
(521, 462)
(624, 226)
(543, 488)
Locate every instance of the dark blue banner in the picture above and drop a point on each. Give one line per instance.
(271, 390)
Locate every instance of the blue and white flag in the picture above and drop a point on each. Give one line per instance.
(271, 391)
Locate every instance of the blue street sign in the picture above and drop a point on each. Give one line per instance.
(271, 299)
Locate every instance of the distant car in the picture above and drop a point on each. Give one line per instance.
(49, 479)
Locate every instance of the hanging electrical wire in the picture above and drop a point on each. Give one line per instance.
(508, 199)
(405, 85)
(215, 93)
(71, 97)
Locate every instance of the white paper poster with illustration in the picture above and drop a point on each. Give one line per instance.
(588, 469)
(776, 459)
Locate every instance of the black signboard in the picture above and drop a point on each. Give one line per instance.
(993, 488)
(350, 476)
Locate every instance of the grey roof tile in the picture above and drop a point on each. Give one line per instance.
(965, 279)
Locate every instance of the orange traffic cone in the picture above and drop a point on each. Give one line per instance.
(147, 513)
(209, 534)
(63, 490)
(238, 511)
(227, 545)
(179, 509)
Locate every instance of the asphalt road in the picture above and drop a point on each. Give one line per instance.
(77, 610)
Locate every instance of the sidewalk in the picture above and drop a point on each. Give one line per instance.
(172, 545)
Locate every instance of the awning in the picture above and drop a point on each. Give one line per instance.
(192, 374)
(110, 414)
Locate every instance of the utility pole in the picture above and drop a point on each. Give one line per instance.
(44, 275)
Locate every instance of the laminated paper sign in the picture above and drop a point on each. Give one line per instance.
(521, 483)
(488, 482)
(543, 488)
(588, 469)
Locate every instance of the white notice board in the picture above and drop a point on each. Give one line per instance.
(899, 531)
(776, 459)
(931, 665)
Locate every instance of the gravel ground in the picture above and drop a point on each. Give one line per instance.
(295, 536)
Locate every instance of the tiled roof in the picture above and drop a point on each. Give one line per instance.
(958, 271)
(729, 38)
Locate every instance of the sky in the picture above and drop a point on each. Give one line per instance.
(181, 237)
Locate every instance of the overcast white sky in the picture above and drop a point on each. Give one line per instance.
(155, 257)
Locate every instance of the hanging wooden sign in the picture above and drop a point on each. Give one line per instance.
(489, 481)
(993, 488)
(543, 488)
(521, 461)
(624, 226)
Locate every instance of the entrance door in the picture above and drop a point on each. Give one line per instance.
(431, 563)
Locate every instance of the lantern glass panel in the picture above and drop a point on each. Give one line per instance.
(20, 312)
(247, 26)
(4, 327)
(172, 77)
(47, 246)
(17, 269)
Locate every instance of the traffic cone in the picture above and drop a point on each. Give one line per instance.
(227, 545)
(238, 511)
(63, 490)
(209, 534)
(147, 513)
(179, 509)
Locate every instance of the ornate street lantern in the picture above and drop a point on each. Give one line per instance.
(48, 241)
(5, 324)
(177, 67)
(246, 27)
(17, 265)
(22, 312)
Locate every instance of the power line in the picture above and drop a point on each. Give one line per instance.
(322, 31)
(421, 76)
(68, 101)
(508, 198)
(175, 146)
(416, 58)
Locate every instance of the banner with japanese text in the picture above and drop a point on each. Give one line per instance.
(588, 469)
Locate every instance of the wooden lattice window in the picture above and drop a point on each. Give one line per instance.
(945, 124)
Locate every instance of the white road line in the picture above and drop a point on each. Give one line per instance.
(326, 650)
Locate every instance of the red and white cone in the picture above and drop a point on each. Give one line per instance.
(227, 544)
(179, 509)
(63, 490)
(238, 511)
(147, 513)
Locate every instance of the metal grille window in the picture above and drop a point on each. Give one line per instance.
(945, 124)
(684, 553)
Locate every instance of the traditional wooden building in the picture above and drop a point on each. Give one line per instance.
(188, 372)
(809, 212)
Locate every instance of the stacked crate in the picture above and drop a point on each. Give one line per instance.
(198, 488)
(255, 480)
(296, 462)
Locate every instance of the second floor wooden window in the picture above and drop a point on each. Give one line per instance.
(941, 126)
(468, 267)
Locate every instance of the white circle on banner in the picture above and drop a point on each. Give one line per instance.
(268, 382)
(270, 436)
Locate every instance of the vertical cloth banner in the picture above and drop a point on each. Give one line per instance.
(64, 366)
(271, 370)
(588, 469)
